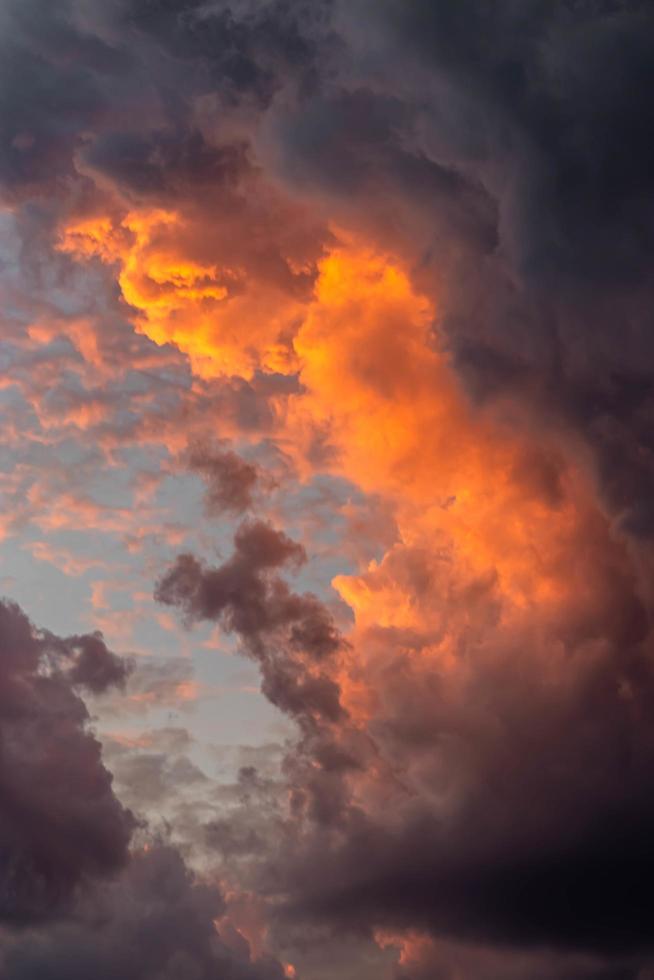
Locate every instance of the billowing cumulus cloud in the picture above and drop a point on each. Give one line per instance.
(379, 273)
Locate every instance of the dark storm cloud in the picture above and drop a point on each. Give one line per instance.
(51, 92)
(164, 163)
(567, 80)
(447, 961)
(60, 821)
(155, 920)
(73, 901)
(507, 148)
(288, 633)
(561, 86)
(112, 87)
(240, 50)
(536, 105)
(101, 110)
(530, 824)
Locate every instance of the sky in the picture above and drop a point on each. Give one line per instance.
(327, 525)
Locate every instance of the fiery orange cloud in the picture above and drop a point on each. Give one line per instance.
(399, 426)
(479, 512)
(226, 325)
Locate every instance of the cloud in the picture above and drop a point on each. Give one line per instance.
(290, 634)
(465, 139)
(155, 920)
(408, 243)
(73, 898)
(158, 682)
(96, 668)
(500, 797)
(60, 821)
(230, 480)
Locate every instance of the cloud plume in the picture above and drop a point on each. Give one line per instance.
(288, 633)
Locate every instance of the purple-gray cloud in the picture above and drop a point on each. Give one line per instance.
(60, 821)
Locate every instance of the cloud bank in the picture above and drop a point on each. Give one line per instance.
(380, 273)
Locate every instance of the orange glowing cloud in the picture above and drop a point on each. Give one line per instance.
(223, 323)
(388, 406)
(79, 331)
(477, 509)
(493, 559)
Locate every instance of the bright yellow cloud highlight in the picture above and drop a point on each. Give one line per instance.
(379, 406)
(225, 324)
(387, 403)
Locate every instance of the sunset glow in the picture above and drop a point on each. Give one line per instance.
(327, 638)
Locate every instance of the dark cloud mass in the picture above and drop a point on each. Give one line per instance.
(521, 803)
(530, 118)
(155, 921)
(74, 901)
(94, 666)
(60, 821)
(473, 773)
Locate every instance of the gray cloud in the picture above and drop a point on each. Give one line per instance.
(60, 821)
(230, 480)
(156, 920)
(288, 633)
